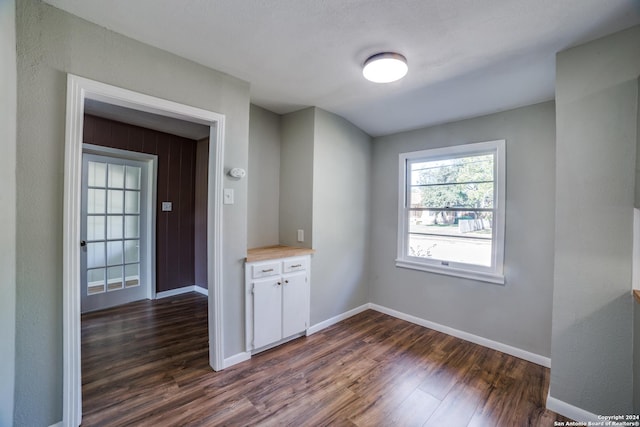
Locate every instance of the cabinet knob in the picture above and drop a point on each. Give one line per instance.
(279, 283)
(286, 281)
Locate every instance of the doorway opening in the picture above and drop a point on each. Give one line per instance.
(80, 91)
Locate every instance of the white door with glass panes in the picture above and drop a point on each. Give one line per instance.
(113, 230)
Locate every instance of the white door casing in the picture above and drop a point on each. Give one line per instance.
(79, 89)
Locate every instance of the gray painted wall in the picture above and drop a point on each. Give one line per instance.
(341, 216)
(636, 307)
(637, 189)
(296, 177)
(596, 112)
(7, 209)
(50, 44)
(263, 175)
(518, 313)
(636, 358)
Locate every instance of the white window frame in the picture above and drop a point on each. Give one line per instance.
(492, 274)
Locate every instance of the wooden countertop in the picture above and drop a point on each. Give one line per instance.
(274, 252)
(636, 294)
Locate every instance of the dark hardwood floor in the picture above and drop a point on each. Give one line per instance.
(146, 363)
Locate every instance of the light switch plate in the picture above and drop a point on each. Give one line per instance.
(300, 235)
(228, 196)
(167, 206)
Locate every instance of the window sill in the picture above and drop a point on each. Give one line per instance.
(456, 272)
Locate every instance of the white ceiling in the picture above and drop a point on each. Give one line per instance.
(466, 57)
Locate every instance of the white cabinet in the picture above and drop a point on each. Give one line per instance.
(277, 301)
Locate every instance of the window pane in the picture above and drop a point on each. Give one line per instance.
(95, 281)
(116, 176)
(449, 171)
(132, 202)
(447, 223)
(95, 255)
(114, 253)
(131, 251)
(97, 174)
(95, 201)
(95, 227)
(114, 227)
(470, 195)
(132, 275)
(115, 201)
(114, 278)
(131, 226)
(132, 178)
(453, 249)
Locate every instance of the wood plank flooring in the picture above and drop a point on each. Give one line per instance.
(146, 363)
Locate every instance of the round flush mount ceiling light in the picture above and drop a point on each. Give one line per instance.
(385, 67)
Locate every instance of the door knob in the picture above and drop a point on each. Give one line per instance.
(83, 243)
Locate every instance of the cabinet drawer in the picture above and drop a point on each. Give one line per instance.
(295, 264)
(264, 270)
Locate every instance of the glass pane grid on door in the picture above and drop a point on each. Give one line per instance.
(113, 227)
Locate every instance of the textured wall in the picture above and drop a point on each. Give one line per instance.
(517, 314)
(596, 113)
(7, 209)
(341, 216)
(175, 232)
(636, 358)
(263, 175)
(50, 44)
(636, 308)
(296, 178)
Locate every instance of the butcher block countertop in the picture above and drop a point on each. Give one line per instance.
(274, 252)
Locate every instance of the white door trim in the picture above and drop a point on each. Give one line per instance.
(79, 89)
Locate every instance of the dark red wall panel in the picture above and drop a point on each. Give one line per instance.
(175, 230)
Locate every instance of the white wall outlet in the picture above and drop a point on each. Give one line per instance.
(167, 206)
(228, 196)
(300, 235)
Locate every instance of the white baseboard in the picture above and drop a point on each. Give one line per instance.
(570, 411)
(332, 321)
(201, 290)
(237, 358)
(485, 342)
(183, 290)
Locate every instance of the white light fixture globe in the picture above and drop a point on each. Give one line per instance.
(385, 67)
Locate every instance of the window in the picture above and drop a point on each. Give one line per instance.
(451, 211)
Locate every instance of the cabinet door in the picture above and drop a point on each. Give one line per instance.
(267, 314)
(295, 300)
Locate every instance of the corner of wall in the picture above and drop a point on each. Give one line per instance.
(296, 177)
(8, 117)
(636, 269)
(263, 178)
(596, 101)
